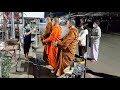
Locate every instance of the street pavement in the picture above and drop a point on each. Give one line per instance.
(108, 63)
(107, 66)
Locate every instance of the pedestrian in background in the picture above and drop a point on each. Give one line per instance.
(95, 41)
(82, 40)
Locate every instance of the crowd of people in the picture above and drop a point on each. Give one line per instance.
(59, 52)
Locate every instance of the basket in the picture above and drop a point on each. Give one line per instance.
(12, 41)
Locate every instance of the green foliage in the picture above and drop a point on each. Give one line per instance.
(6, 64)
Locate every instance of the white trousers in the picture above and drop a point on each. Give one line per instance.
(94, 51)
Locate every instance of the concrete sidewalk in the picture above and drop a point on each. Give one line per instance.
(107, 65)
(44, 71)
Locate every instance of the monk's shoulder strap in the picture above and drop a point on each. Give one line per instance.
(75, 34)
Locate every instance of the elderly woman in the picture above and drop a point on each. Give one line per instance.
(95, 41)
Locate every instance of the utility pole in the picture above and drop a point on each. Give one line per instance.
(36, 33)
(3, 28)
(50, 15)
(12, 25)
(69, 16)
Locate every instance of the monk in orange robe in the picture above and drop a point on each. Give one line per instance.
(46, 34)
(54, 36)
(67, 48)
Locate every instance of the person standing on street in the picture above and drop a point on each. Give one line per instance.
(95, 41)
(27, 39)
(45, 35)
(67, 48)
(82, 40)
(52, 50)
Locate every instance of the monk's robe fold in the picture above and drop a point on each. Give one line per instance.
(52, 50)
(46, 34)
(67, 49)
(48, 30)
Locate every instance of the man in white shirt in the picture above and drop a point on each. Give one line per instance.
(82, 40)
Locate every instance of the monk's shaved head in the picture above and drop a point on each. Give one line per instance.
(70, 23)
(48, 19)
(56, 21)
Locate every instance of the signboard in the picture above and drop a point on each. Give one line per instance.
(33, 14)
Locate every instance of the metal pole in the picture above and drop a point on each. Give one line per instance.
(50, 15)
(36, 34)
(39, 31)
(3, 28)
(7, 33)
(86, 58)
(13, 25)
(23, 19)
(23, 23)
(69, 16)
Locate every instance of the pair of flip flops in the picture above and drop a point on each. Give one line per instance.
(93, 60)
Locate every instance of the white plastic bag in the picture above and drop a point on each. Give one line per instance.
(2, 45)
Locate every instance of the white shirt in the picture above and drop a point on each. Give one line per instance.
(65, 31)
(96, 33)
(82, 37)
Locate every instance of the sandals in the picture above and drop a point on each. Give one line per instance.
(93, 60)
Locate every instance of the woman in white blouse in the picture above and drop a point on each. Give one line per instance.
(82, 40)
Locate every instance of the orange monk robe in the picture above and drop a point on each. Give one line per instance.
(46, 34)
(48, 30)
(52, 50)
(67, 51)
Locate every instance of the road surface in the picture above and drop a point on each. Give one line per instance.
(107, 66)
(109, 57)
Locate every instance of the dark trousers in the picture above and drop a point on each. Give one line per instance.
(26, 47)
(82, 50)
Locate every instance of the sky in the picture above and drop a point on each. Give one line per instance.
(34, 14)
